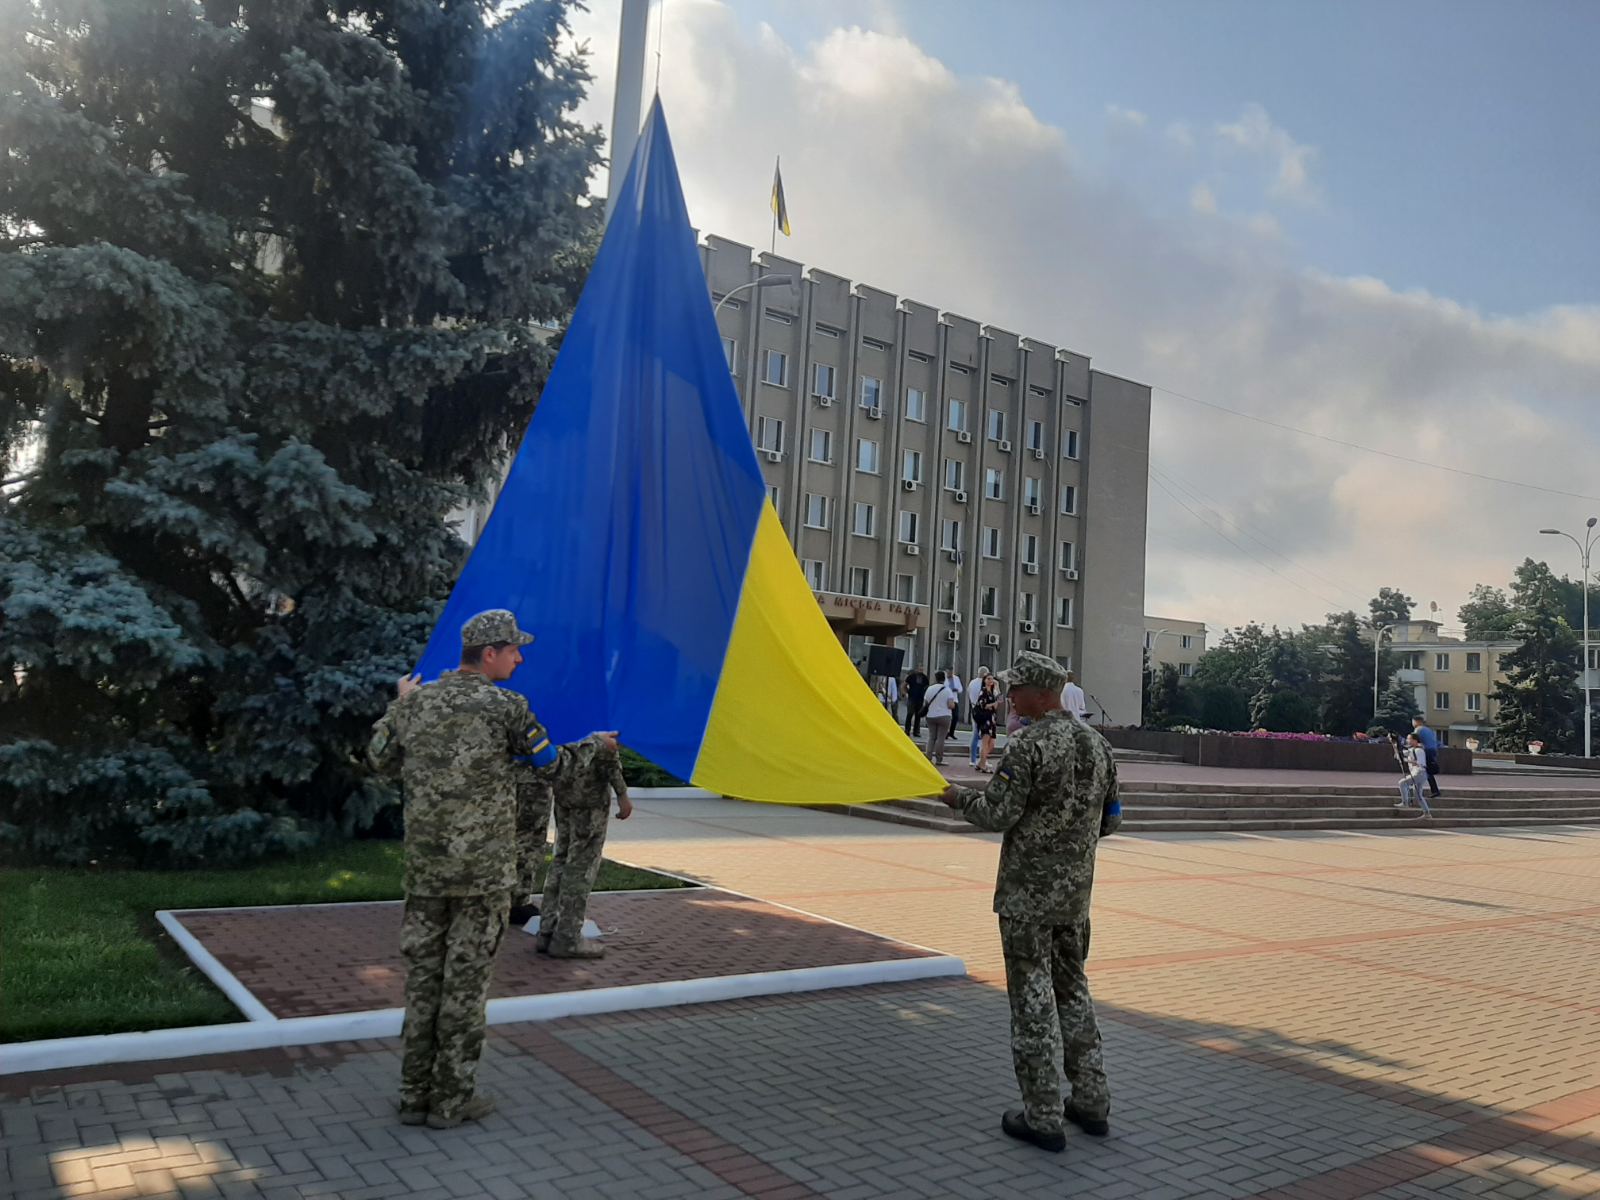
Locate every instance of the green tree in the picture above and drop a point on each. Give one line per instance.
(1165, 705)
(1396, 708)
(272, 277)
(1213, 705)
(1389, 606)
(1487, 613)
(1347, 684)
(1234, 656)
(1538, 697)
(1281, 683)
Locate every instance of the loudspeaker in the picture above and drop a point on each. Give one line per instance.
(885, 660)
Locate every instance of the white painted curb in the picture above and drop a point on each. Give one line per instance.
(58, 1053)
(227, 982)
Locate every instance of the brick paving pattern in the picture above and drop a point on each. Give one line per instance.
(328, 958)
(1303, 1017)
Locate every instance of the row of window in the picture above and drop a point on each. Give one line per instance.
(864, 523)
(775, 370)
(1411, 660)
(1474, 702)
(859, 583)
(1186, 640)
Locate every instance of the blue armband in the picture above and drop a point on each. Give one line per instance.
(544, 754)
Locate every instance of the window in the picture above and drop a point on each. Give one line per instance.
(1031, 490)
(872, 343)
(991, 602)
(954, 474)
(905, 589)
(776, 370)
(871, 393)
(916, 404)
(950, 535)
(860, 581)
(908, 525)
(960, 368)
(867, 455)
(816, 511)
(947, 596)
(1441, 701)
(863, 519)
(994, 483)
(816, 573)
(769, 433)
(730, 351)
(911, 466)
(1185, 670)
(1474, 662)
(822, 380)
(1594, 658)
(1441, 662)
(958, 416)
(1185, 641)
(997, 425)
(1069, 499)
(827, 331)
(1030, 549)
(991, 542)
(1411, 660)
(919, 356)
(1000, 381)
(1064, 612)
(772, 495)
(1035, 435)
(1475, 702)
(1069, 444)
(776, 317)
(821, 445)
(1028, 608)
(1149, 639)
(1069, 556)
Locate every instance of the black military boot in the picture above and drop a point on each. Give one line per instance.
(1097, 1126)
(1015, 1124)
(521, 914)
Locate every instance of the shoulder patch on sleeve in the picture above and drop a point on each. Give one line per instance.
(1004, 773)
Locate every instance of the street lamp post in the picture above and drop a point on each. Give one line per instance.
(765, 281)
(1585, 548)
(1377, 652)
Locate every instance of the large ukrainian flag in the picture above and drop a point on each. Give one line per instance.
(634, 538)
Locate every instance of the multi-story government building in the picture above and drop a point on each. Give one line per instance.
(948, 486)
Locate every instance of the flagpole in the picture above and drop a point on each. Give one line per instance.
(632, 40)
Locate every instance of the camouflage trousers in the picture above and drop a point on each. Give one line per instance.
(448, 943)
(1052, 1020)
(580, 837)
(533, 831)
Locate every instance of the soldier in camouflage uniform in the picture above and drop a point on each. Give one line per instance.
(1053, 795)
(460, 746)
(583, 802)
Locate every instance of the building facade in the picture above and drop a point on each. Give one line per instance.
(1173, 642)
(1454, 679)
(948, 486)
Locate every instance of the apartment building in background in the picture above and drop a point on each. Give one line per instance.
(948, 486)
(1175, 642)
(1454, 679)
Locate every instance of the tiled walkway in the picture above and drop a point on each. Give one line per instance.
(1307, 1016)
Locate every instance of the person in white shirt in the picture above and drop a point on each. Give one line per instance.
(1072, 698)
(974, 690)
(891, 694)
(1415, 762)
(943, 697)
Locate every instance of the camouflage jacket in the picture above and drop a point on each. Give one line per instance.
(1047, 797)
(591, 786)
(460, 747)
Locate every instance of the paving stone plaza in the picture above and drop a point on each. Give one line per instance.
(1395, 1014)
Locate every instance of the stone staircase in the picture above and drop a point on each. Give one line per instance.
(1213, 808)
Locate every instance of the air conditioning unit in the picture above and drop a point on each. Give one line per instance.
(982, 621)
(961, 497)
(1029, 627)
(953, 555)
(908, 485)
(955, 618)
(1034, 508)
(964, 438)
(824, 401)
(1038, 456)
(773, 455)
(1035, 644)
(1005, 446)
(874, 414)
(1070, 572)
(952, 635)
(1030, 568)
(913, 549)
(992, 640)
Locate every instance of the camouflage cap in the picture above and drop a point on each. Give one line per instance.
(1034, 670)
(492, 628)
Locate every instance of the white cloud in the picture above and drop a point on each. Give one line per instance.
(1255, 133)
(1118, 115)
(1180, 133)
(1203, 200)
(904, 173)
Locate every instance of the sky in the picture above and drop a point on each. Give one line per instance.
(1377, 223)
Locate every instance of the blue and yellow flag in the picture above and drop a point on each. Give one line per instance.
(635, 539)
(780, 208)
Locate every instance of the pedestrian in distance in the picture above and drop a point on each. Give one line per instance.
(939, 710)
(461, 746)
(582, 808)
(1415, 763)
(1430, 749)
(985, 713)
(1072, 698)
(1054, 796)
(916, 691)
(974, 689)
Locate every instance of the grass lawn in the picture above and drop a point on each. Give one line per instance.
(81, 951)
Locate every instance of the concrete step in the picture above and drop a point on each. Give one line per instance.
(1463, 800)
(1143, 816)
(1143, 756)
(1398, 821)
(1381, 784)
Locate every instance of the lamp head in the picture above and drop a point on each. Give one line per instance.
(1555, 531)
(1590, 523)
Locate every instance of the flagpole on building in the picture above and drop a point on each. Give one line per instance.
(632, 43)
